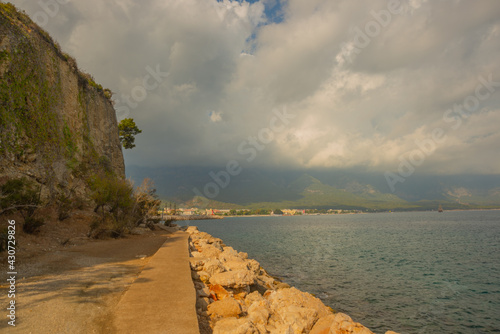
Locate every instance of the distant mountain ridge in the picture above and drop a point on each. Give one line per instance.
(260, 188)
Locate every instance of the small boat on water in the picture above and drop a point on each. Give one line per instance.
(440, 209)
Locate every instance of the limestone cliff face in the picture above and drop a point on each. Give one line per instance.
(57, 126)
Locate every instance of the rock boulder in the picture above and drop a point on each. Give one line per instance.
(225, 308)
(234, 279)
(343, 324)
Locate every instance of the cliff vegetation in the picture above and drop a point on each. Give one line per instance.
(60, 149)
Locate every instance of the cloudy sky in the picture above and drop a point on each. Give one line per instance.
(356, 83)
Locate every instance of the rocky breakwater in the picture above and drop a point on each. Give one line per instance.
(236, 295)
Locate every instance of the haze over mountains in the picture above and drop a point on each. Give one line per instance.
(260, 188)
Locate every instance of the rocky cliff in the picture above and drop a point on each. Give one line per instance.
(57, 126)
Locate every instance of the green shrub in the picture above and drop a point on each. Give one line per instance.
(32, 225)
(146, 200)
(108, 93)
(23, 196)
(105, 164)
(64, 206)
(4, 239)
(69, 142)
(28, 101)
(20, 195)
(111, 193)
(102, 227)
(78, 203)
(114, 202)
(81, 169)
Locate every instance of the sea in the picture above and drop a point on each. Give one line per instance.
(412, 272)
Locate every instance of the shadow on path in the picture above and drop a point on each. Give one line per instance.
(74, 290)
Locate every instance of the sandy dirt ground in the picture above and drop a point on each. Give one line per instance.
(73, 288)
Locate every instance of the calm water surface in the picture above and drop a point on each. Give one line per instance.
(418, 272)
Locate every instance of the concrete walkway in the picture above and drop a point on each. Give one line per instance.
(163, 298)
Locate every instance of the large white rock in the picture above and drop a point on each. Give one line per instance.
(192, 230)
(213, 240)
(196, 254)
(210, 251)
(213, 266)
(301, 319)
(253, 297)
(259, 312)
(283, 298)
(322, 326)
(234, 279)
(197, 263)
(266, 281)
(254, 266)
(343, 324)
(199, 236)
(203, 243)
(280, 329)
(236, 326)
(225, 308)
(230, 251)
(296, 309)
(200, 242)
(229, 254)
(235, 264)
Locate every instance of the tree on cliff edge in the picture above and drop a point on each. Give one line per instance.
(128, 130)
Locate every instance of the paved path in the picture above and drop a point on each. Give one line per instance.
(163, 298)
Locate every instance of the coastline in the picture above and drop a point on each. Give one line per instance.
(173, 218)
(236, 295)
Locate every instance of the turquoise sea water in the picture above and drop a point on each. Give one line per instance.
(418, 272)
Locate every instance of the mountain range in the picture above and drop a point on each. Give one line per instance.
(319, 189)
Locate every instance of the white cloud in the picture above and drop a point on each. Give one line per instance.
(215, 116)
